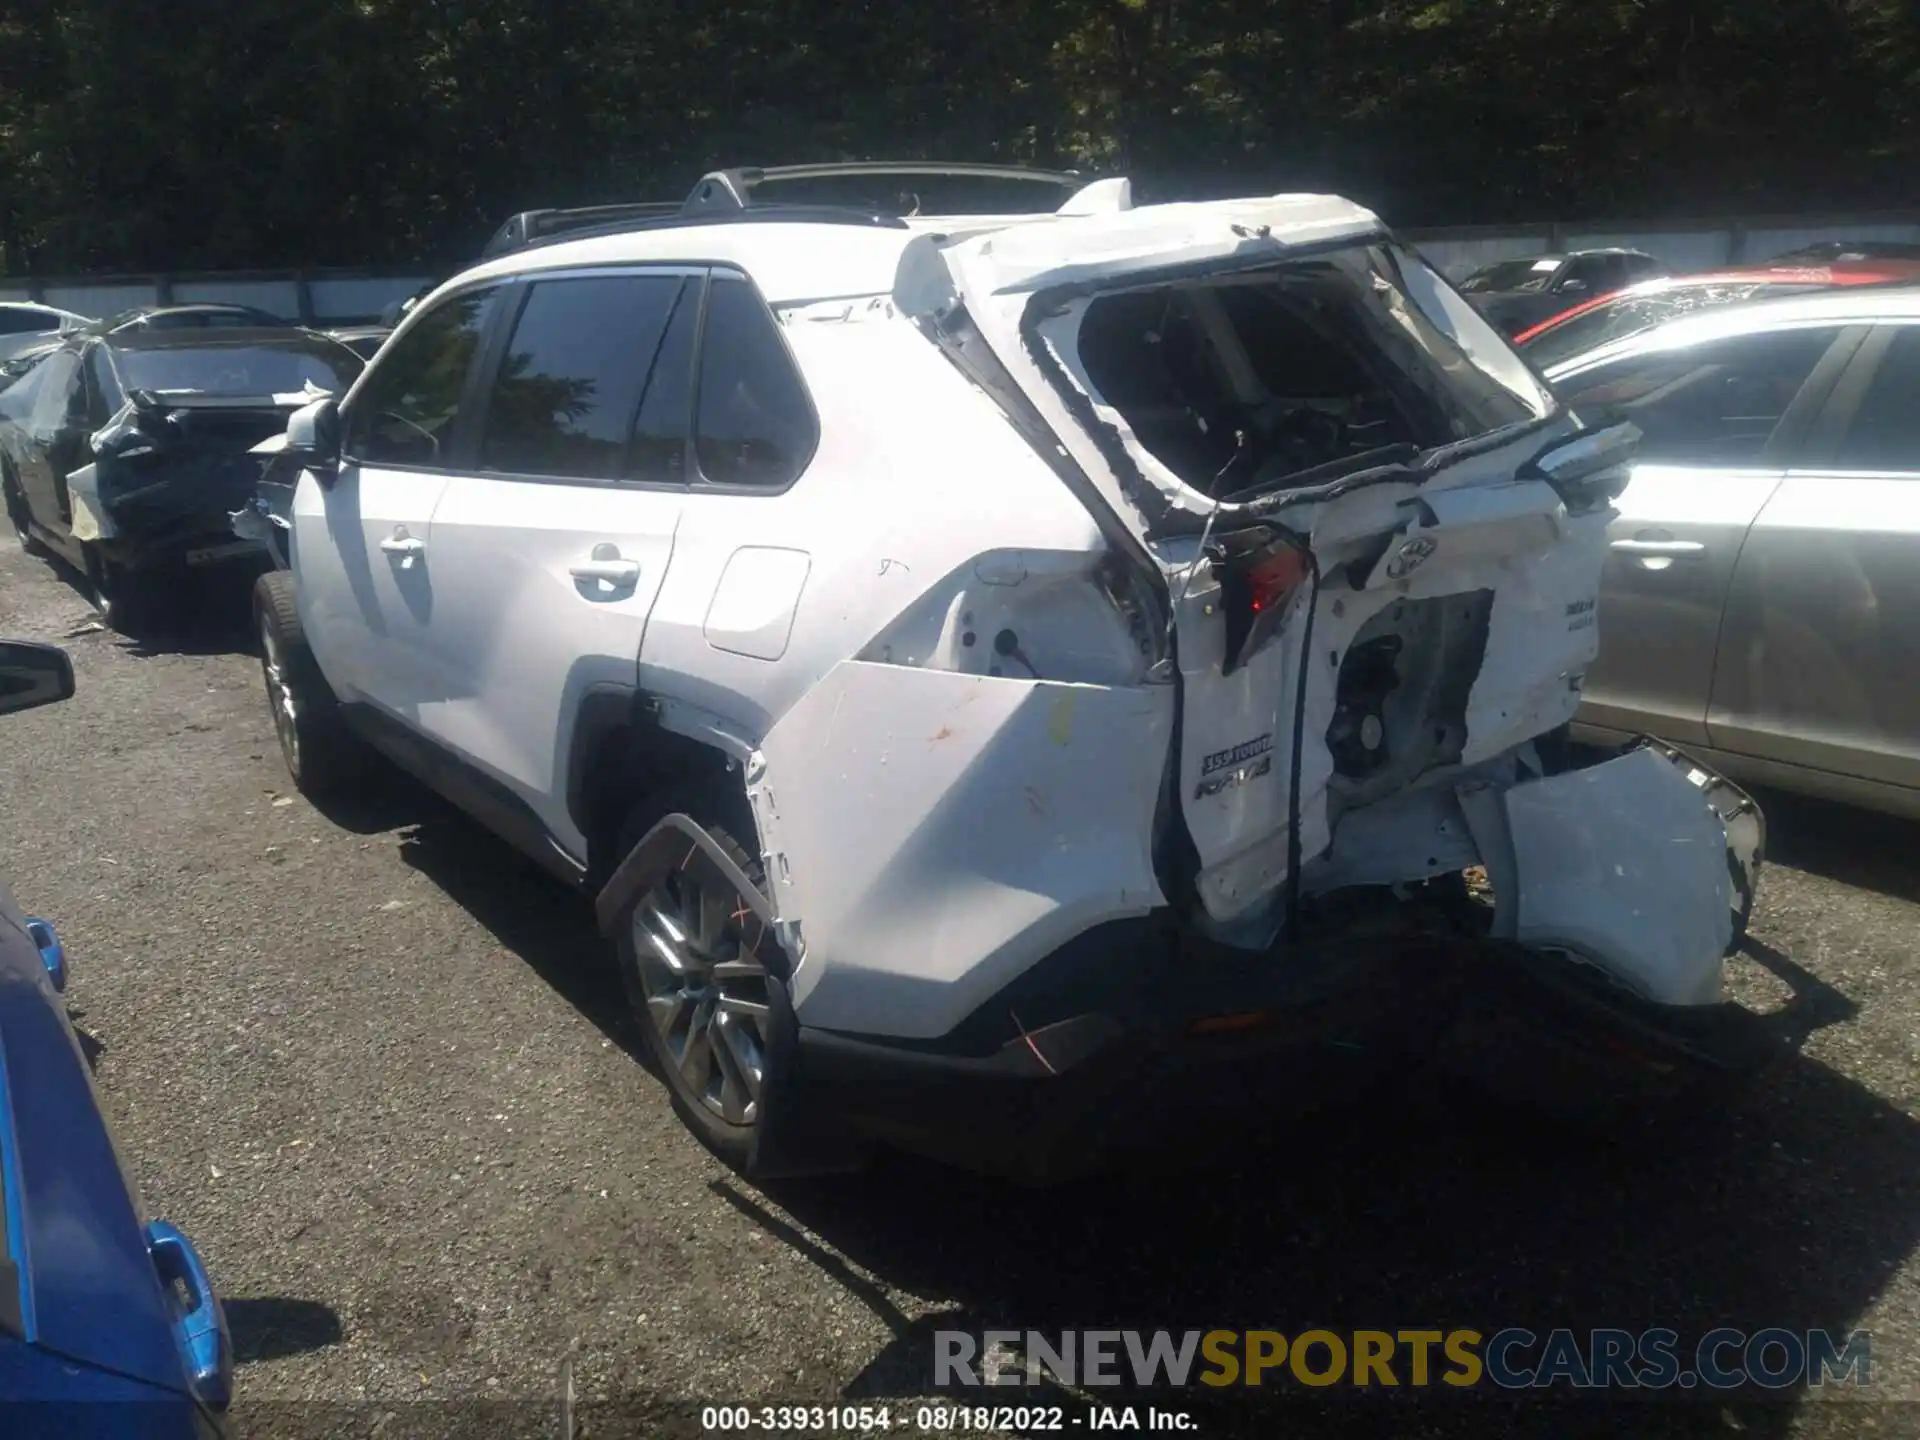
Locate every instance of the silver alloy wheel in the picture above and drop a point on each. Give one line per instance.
(706, 993)
(280, 697)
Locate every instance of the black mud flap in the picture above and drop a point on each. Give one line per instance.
(1559, 1035)
(791, 1138)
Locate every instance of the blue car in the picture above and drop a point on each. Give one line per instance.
(108, 1324)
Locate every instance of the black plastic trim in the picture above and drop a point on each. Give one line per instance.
(459, 782)
(656, 852)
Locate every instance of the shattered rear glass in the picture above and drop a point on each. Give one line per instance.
(1630, 314)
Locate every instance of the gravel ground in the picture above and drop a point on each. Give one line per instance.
(381, 1072)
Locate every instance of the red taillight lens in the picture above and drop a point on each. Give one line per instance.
(1271, 579)
(1256, 585)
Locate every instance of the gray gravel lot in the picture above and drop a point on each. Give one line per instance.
(380, 1071)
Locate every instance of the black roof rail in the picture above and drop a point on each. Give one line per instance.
(734, 189)
(530, 226)
(730, 194)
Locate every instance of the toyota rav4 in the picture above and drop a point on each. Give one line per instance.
(1001, 677)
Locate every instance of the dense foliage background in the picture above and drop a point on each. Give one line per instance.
(313, 132)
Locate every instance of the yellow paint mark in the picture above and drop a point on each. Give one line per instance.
(1060, 725)
(945, 732)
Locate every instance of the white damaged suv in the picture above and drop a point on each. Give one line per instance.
(999, 676)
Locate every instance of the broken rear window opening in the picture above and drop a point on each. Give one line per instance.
(238, 369)
(1237, 382)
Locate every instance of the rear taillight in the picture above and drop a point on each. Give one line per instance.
(1259, 576)
(1274, 577)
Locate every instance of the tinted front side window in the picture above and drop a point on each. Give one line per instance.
(404, 415)
(753, 424)
(1885, 433)
(1713, 404)
(569, 387)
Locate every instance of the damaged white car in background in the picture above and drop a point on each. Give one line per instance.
(1167, 611)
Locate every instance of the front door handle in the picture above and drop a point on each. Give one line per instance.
(1665, 549)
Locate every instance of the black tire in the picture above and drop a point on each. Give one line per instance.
(17, 512)
(321, 753)
(129, 601)
(702, 1093)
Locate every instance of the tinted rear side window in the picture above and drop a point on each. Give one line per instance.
(666, 414)
(404, 415)
(754, 424)
(569, 387)
(1885, 433)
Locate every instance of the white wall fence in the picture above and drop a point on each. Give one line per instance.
(335, 297)
(315, 298)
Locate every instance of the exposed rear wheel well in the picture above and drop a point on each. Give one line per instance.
(621, 755)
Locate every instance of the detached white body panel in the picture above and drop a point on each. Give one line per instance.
(933, 834)
(1622, 865)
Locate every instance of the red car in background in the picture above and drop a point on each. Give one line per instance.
(1640, 307)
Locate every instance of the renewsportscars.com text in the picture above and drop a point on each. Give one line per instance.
(1510, 1359)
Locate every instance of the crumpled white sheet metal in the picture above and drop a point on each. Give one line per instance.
(1623, 865)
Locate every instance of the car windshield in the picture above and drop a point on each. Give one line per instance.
(240, 369)
(1510, 275)
(1630, 314)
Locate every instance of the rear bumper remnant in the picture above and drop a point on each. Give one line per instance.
(1628, 866)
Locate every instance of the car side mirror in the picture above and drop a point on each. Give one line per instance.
(32, 674)
(313, 438)
(1573, 287)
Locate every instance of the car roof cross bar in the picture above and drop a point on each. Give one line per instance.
(733, 189)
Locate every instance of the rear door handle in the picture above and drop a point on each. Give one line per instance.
(1664, 549)
(614, 572)
(606, 565)
(405, 546)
